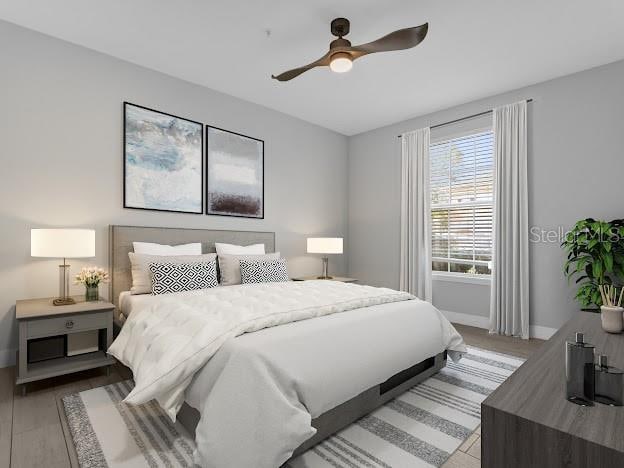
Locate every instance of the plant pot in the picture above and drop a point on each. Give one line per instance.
(92, 293)
(612, 319)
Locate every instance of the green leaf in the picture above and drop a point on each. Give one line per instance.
(580, 264)
(608, 262)
(597, 269)
(594, 251)
(596, 299)
(589, 271)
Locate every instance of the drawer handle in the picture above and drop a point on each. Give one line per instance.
(69, 324)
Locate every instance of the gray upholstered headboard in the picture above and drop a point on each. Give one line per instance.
(121, 239)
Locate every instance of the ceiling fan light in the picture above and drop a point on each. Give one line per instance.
(341, 62)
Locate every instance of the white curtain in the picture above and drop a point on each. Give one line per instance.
(415, 274)
(509, 300)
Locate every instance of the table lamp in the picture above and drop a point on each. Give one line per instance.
(62, 243)
(325, 245)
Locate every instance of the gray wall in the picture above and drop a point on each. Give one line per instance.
(61, 154)
(61, 129)
(576, 163)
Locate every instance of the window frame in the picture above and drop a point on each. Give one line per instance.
(461, 277)
(455, 277)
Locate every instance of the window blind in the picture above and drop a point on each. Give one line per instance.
(462, 183)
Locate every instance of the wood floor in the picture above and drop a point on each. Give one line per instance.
(34, 433)
(480, 338)
(33, 428)
(468, 455)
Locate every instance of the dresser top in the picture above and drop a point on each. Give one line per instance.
(34, 308)
(537, 390)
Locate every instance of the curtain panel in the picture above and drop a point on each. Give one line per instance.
(415, 263)
(509, 298)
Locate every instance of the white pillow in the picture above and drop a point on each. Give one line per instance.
(229, 266)
(149, 248)
(141, 279)
(231, 249)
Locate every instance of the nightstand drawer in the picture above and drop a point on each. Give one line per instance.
(67, 324)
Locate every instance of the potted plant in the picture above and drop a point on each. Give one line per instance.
(91, 277)
(595, 256)
(611, 308)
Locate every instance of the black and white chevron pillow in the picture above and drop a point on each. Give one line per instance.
(271, 271)
(171, 277)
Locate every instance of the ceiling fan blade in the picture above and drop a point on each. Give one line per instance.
(398, 40)
(290, 74)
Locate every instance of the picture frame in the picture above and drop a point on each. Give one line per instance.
(163, 161)
(234, 174)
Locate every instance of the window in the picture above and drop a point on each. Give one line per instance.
(462, 178)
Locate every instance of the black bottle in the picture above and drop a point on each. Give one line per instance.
(609, 383)
(580, 371)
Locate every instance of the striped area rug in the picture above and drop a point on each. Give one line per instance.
(421, 428)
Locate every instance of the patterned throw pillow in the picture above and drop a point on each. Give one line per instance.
(272, 271)
(171, 277)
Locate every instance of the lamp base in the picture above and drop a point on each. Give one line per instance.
(64, 297)
(325, 274)
(61, 301)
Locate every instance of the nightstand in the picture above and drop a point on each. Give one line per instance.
(44, 329)
(334, 278)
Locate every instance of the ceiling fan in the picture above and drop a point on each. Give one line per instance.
(342, 54)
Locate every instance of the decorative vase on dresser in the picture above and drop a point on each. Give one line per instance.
(91, 277)
(92, 293)
(612, 319)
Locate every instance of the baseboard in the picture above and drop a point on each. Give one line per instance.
(543, 333)
(7, 357)
(479, 321)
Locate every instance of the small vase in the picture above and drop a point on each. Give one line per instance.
(612, 319)
(92, 293)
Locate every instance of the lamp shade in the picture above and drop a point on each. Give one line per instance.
(325, 245)
(62, 243)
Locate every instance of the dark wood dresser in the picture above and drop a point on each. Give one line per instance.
(527, 421)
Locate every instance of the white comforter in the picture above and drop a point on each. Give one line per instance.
(166, 343)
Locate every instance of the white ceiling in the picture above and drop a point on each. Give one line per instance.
(475, 48)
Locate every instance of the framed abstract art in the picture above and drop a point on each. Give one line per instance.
(234, 174)
(163, 161)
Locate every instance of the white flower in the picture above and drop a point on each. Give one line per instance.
(91, 276)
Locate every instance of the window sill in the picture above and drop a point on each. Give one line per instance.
(462, 278)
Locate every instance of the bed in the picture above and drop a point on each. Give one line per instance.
(329, 370)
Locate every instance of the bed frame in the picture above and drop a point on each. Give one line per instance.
(350, 411)
(328, 423)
